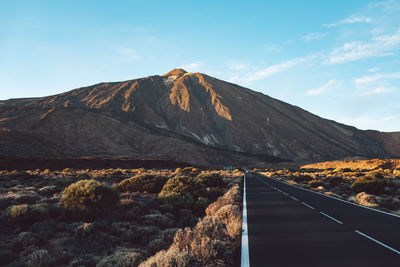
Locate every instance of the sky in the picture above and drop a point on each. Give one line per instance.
(337, 59)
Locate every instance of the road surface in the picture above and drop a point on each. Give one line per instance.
(289, 226)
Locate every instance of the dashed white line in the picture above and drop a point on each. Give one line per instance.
(378, 242)
(285, 193)
(245, 262)
(345, 201)
(326, 215)
(294, 198)
(305, 204)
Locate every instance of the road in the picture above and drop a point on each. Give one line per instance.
(289, 226)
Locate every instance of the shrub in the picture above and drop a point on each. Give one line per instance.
(366, 199)
(123, 257)
(142, 183)
(156, 245)
(315, 183)
(39, 258)
(159, 220)
(191, 171)
(207, 241)
(201, 204)
(26, 240)
(89, 196)
(230, 197)
(171, 257)
(182, 191)
(334, 180)
(368, 184)
(302, 178)
(377, 174)
(211, 179)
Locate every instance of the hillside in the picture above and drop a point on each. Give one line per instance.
(180, 116)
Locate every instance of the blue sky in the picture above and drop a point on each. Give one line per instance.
(337, 59)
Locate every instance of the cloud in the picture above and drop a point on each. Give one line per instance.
(377, 84)
(375, 69)
(379, 46)
(376, 77)
(379, 90)
(192, 66)
(313, 36)
(349, 20)
(269, 71)
(327, 86)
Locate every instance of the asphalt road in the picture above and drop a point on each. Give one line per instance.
(289, 226)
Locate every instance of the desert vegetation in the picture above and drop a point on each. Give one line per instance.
(120, 217)
(373, 183)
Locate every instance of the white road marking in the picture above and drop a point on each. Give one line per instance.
(294, 198)
(305, 204)
(245, 262)
(285, 193)
(378, 242)
(326, 215)
(354, 204)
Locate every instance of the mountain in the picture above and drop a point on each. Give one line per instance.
(179, 116)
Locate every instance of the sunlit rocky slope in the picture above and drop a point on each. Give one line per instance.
(189, 117)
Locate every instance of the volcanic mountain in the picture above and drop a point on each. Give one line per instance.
(179, 116)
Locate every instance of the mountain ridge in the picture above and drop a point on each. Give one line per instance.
(188, 117)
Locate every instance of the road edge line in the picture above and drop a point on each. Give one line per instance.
(376, 241)
(345, 201)
(245, 258)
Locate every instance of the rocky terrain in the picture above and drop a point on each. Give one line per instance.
(179, 116)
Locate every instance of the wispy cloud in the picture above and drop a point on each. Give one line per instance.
(367, 79)
(377, 84)
(379, 90)
(313, 36)
(192, 66)
(349, 20)
(375, 69)
(379, 46)
(325, 87)
(269, 71)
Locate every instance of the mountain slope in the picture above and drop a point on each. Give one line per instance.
(179, 116)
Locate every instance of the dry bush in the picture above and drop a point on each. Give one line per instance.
(156, 245)
(90, 196)
(123, 257)
(158, 220)
(368, 184)
(231, 216)
(27, 213)
(142, 183)
(299, 178)
(396, 173)
(230, 197)
(182, 191)
(207, 241)
(190, 171)
(25, 240)
(211, 179)
(40, 258)
(171, 258)
(316, 183)
(366, 199)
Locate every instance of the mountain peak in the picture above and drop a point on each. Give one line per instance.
(178, 72)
